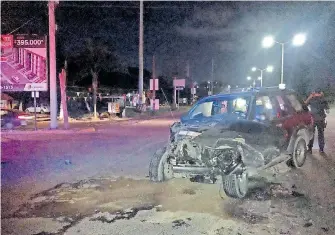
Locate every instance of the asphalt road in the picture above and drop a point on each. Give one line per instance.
(36, 162)
(303, 205)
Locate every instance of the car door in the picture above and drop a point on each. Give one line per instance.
(302, 116)
(264, 108)
(290, 118)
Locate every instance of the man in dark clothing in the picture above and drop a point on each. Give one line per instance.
(318, 105)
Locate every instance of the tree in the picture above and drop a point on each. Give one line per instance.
(95, 58)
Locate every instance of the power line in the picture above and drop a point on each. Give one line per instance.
(22, 25)
(120, 6)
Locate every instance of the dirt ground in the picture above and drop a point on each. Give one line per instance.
(279, 203)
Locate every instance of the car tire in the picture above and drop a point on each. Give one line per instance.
(299, 154)
(159, 169)
(9, 126)
(235, 186)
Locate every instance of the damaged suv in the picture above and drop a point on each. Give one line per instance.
(235, 136)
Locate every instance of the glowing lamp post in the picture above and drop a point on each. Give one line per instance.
(253, 83)
(269, 41)
(268, 69)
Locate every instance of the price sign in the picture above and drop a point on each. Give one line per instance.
(28, 41)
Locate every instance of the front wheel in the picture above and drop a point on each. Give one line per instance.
(235, 186)
(299, 154)
(9, 125)
(160, 169)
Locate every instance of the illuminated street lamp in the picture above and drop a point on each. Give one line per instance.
(269, 41)
(268, 69)
(299, 40)
(254, 81)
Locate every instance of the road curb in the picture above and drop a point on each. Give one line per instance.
(48, 131)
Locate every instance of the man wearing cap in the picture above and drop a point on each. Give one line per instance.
(318, 106)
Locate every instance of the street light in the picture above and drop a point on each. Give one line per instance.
(254, 81)
(269, 69)
(269, 41)
(299, 39)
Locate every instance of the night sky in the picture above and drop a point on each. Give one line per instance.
(176, 32)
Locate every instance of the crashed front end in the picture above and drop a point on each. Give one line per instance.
(210, 150)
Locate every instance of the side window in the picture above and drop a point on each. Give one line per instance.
(202, 110)
(295, 103)
(283, 106)
(240, 105)
(265, 107)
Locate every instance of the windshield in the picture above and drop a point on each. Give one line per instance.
(227, 105)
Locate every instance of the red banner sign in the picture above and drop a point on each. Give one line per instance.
(6, 41)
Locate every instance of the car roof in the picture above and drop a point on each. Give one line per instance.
(248, 92)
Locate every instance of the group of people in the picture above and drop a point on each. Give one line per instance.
(319, 108)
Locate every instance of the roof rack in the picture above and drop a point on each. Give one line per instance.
(251, 89)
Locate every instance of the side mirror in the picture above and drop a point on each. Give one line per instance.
(184, 118)
(305, 108)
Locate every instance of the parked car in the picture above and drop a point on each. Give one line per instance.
(15, 79)
(117, 106)
(11, 118)
(235, 136)
(42, 108)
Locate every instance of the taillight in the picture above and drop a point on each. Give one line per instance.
(23, 117)
(278, 114)
(286, 135)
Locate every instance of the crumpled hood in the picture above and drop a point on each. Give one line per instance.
(255, 133)
(208, 123)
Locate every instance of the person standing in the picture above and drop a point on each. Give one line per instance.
(318, 106)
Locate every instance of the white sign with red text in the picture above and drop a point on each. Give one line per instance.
(154, 84)
(179, 82)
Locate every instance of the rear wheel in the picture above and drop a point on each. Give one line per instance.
(160, 169)
(299, 154)
(235, 186)
(9, 125)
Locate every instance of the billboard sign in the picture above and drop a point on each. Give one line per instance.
(23, 63)
(179, 82)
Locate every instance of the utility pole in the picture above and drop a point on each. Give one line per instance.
(153, 83)
(140, 54)
(212, 76)
(188, 77)
(282, 64)
(174, 94)
(52, 65)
